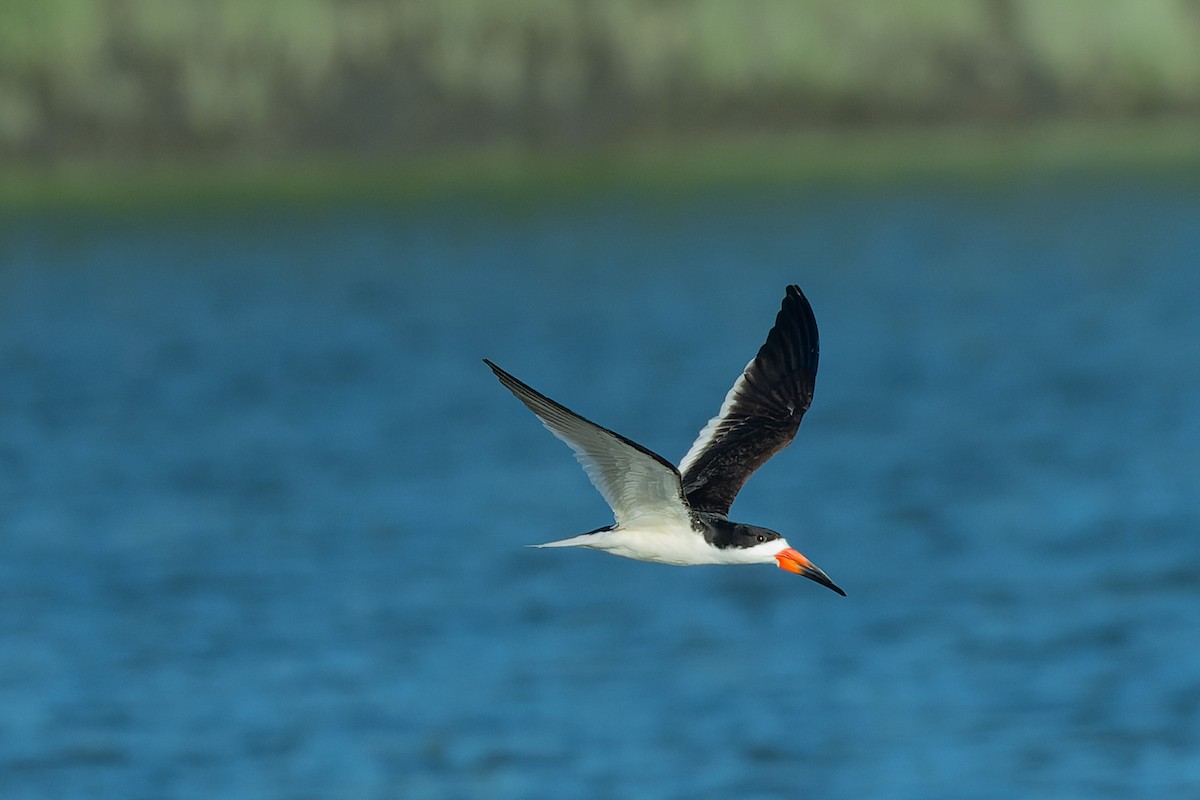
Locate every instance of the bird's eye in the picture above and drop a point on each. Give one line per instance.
(762, 538)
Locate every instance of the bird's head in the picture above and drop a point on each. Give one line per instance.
(768, 546)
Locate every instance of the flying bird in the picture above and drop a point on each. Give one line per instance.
(680, 515)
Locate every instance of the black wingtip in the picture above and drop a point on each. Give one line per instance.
(793, 296)
(795, 333)
(511, 382)
(507, 380)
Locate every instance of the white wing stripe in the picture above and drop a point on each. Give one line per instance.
(709, 431)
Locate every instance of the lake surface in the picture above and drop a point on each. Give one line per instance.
(262, 507)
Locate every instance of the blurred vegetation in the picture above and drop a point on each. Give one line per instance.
(139, 81)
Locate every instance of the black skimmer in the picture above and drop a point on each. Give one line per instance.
(680, 515)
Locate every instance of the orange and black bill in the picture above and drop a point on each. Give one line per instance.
(794, 561)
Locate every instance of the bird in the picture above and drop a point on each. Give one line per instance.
(680, 515)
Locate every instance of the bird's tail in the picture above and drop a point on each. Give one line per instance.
(582, 540)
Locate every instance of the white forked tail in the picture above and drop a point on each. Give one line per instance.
(588, 539)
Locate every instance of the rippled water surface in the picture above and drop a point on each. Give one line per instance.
(262, 507)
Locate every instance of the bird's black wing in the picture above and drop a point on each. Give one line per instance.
(760, 414)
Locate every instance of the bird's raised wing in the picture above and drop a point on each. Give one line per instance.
(760, 414)
(639, 485)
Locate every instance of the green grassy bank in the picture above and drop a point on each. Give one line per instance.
(514, 175)
(134, 80)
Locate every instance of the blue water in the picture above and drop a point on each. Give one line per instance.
(262, 507)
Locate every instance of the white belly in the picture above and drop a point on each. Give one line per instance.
(667, 542)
